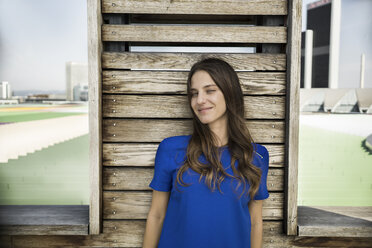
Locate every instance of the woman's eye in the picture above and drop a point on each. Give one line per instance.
(210, 91)
(194, 94)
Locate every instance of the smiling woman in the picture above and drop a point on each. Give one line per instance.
(208, 101)
(220, 150)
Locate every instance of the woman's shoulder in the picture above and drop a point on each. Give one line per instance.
(175, 142)
(260, 151)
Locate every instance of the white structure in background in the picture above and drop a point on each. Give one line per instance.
(308, 70)
(362, 69)
(347, 104)
(22, 138)
(80, 93)
(84, 93)
(76, 75)
(5, 92)
(334, 44)
(345, 100)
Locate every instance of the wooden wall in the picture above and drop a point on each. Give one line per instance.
(138, 106)
(144, 94)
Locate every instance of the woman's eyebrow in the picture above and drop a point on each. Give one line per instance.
(206, 86)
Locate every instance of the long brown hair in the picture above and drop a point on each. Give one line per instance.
(203, 140)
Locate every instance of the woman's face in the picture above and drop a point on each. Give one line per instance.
(207, 100)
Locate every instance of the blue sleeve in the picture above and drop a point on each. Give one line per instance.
(262, 192)
(162, 179)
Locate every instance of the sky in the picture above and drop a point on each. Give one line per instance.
(355, 39)
(38, 37)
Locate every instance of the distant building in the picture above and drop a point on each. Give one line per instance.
(81, 93)
(319, 21)
(5, 92)
(41, 98)
(76, 75)
(335, 46)
(84, 93)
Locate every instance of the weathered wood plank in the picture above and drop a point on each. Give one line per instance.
(240, 7)
(184, 61)
(117, 228)
(95, 118)
(44, 220)
(121, 154)
(136, 205)
(360, 212)
(44, 230)
(122, 178)
(335, 231)
(5, 241)
(319, 222)
(152, 130)
(324, 242)
(160, 82)
(160, 106)
(292, 114)
(129, 233)
(132, 236)
(194, 33)
(44, 214)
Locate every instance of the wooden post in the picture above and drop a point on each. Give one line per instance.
(95, 119)
(292, 115)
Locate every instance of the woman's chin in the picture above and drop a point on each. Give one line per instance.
(205, 122)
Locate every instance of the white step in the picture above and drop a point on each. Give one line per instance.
(22, 138)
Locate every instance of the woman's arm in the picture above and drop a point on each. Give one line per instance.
(255, 210)
(155, 218)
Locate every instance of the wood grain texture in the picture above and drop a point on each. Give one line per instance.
(347, 221)
(184, 61)
(161, 82)
(160, 106)
(44, 219)
(5, 241)
(194, 33)
(122, 178)
(209, 7)
(292, 114)
(136, 205)
(335, 231)
(129, 233)
(44, 230)
(95, 114)
(152, 130)
(142, 154)
(360, 212)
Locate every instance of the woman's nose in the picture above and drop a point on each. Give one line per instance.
(201, 98)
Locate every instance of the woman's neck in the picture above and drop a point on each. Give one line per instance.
(220, 130)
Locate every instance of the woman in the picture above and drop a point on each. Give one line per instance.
(186, 210)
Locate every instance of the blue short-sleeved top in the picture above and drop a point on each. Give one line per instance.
(196, 217)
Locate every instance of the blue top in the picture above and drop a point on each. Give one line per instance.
(196, 217)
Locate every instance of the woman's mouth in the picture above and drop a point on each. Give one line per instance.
(203, 110)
